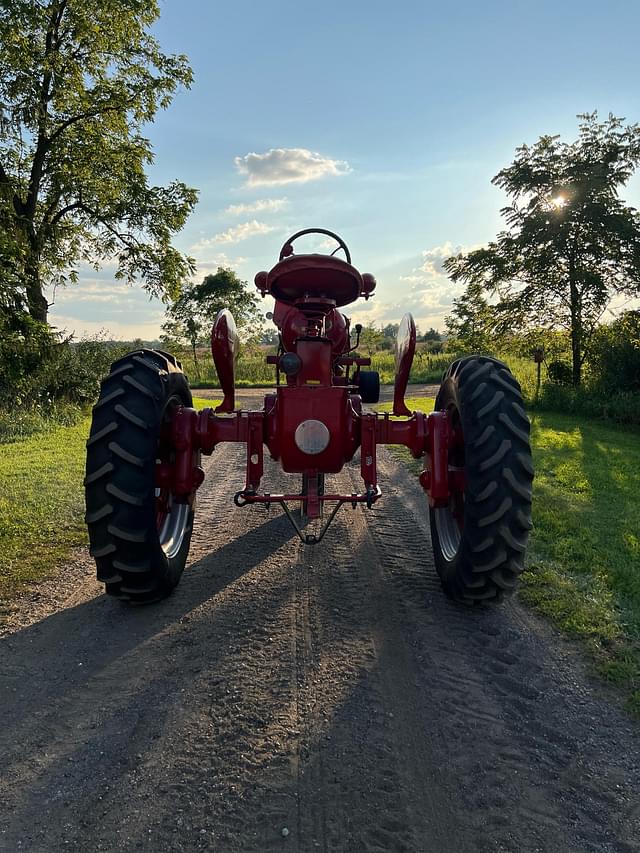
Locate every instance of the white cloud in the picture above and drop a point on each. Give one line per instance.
(242, 232)
(287, 166)
(433, 262)
(97, 291)
(261, 205)
(425, 290)
(110, 328)
(213, 264)
(232, 235)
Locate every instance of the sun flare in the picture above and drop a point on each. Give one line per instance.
(559, 201)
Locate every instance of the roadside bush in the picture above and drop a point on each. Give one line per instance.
(614, 354)
(617, 406)
(45, 378)
(560, 372)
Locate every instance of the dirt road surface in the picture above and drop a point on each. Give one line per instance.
(288, 698)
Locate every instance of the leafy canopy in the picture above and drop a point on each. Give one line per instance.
(79, 80)
(190, 317)
(571, 243)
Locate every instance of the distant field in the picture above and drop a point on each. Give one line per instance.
(252, 369)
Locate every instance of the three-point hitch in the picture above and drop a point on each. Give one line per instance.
(146, 441)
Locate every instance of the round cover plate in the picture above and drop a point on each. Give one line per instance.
(312, 437)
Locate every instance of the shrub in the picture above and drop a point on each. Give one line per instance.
(614, 354)
(560, 372)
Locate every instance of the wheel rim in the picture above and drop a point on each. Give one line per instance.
(449, 520)
(449, 533)
(172, 527)
(172, 517)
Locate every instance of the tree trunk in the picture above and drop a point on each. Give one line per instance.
(576, 331)
(36, 302)
(195, 359)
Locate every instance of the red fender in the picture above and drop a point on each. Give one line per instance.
(405, 348)
(225, 346)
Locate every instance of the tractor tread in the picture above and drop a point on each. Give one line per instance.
(486, 435)
(499, 474)
(98, 436)
(109, 398)
(126, 497)
(114, 447)
(497, 456)
(140, 388)
(132, 568)
(504, 507)
(522, 434)
(521, 488)
(122, 410)
(105, 469)
(103, 512)
(486, 492)
(109, 579)
(103, 551)
(127, 535)
(497, 559)
(493, 403)
(119, 482)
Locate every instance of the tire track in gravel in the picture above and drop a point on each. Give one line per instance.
(331, 691)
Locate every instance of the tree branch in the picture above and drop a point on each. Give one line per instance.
(90, 114)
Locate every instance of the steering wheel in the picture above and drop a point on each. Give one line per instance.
(287, 249)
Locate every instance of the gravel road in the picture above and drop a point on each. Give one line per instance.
(288, 698)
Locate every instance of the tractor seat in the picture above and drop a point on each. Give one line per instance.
(316, 277)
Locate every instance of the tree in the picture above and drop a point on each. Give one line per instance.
(78, 82)
(191, 315)
(471, 322)
(270, 337)
(431, 335)
(371, 338)
(571, 242)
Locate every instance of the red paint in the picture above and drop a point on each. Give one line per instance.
(308, 291)
(405, 349)
(225, 346)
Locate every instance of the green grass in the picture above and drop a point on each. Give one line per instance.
(583, 565)
(42, 504)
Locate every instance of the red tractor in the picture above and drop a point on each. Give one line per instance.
(146, 441)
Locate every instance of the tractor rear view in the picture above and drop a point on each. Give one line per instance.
(146, 441)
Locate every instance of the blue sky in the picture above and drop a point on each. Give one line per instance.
(382, 122)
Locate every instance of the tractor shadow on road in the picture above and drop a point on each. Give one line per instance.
(69, 648)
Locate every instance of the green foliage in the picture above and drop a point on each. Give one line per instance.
(191, 316)
(571, 242)
(45, 378)
(371, 339)
(471, 326)
(560, 372)
(78, 84)
(614, 354)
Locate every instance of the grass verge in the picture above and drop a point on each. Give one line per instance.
(583, 566)
(42, 504)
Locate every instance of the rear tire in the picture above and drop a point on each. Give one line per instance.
(369, 386)
(479, 540)
(139, 536)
